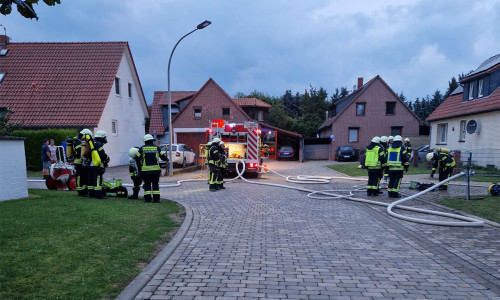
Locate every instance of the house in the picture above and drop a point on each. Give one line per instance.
(373, 109)
(75, 85)
(193, 111)
(468, 119)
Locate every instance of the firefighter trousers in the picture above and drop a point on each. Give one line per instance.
(151, 187)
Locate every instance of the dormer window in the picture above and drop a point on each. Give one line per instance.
(480, 88)
(2, 75)
(471, 90)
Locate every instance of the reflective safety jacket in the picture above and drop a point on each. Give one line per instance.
(442, 160)
(375, 156)
(214, 155)
(397, 158)
(77, 151)
(99, 157)
(222, 161)
(147, 158)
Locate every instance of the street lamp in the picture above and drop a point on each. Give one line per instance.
(170, 162)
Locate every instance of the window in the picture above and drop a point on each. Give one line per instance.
(463, 127)
(225, 111)
(130, 90)
(471, 90)
(390, 108)
(117, 85)
(480, 88)
(197, 112)
(2, 75)
(396, 130)
(353, 135)
(260, 116)
(3, 52)
(360, 109)
(442, 133)
(114, 127)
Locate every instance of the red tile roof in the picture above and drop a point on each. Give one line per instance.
(161, 98)
(254, 102)
(59, 84)
(454, 107)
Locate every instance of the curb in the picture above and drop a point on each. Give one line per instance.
(135, 287)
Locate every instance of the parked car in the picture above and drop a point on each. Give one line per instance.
(286, 152)
(422, 152)
(346, 153)
(182, 155)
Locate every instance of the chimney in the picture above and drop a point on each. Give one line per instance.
(4, 40)
(360, 82)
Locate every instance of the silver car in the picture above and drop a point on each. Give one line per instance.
(182, 155)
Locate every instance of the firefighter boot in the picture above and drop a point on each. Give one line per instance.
(135, 194)
(156, 198)
(212, 188)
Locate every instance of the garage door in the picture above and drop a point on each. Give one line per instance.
(321, 151)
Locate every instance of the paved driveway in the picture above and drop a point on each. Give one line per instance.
(255, 241)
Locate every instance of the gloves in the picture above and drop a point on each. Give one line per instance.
(406, 169)
(432, 174)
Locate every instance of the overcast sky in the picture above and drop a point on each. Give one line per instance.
(272, 46)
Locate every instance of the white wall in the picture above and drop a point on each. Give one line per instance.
(129, 114)
(13, 178)
(485, 145)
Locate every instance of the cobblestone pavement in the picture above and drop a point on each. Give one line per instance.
(254, 241)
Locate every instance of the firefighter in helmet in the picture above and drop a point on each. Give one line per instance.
(80, 162)
(213, 160)
(408, 146)
(147, 158)
(135, 173)
(205, 155)
(98, 162)
(221, 165)
(374, 160)
(384, 172)
(443, 161)
(397, 161)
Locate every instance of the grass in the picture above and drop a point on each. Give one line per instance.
(58, 245)
(487, 208)
(38, 174)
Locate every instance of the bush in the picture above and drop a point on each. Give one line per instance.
(33, 143)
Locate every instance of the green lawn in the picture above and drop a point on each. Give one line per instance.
(487, 208)
(57, 245)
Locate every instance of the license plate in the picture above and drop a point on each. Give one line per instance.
(285, 153)
(346, 156)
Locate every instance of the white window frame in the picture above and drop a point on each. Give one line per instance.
(117, 86)
(114, 127)
(463, 127)
(353, 135)
(471, 90)
(442, 133)
(480, 88)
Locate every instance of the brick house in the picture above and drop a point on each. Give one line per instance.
(75, 85)
(468, 119)
(373, 109)
(193, 111)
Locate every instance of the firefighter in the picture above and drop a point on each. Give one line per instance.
(408, 147)
(374, 159)
(80, 162)
(135, 173)
(221, 165)
(213, 159)
(443, 161)
(98, 162)
(390, 140)
(397, 161)
(384, 172)
(147, 158)
(205, 155)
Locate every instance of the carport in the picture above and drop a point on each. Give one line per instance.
(276, 137)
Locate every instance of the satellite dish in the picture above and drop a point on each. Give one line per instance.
(473, 126)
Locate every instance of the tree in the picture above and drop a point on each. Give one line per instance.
(25, 8)
(291, 103)
(313, 107)
(5, 127)
(452, 85)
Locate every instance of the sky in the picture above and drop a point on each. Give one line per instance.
(271, 46)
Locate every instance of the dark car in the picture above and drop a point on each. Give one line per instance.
(346, 153)
(286, 152)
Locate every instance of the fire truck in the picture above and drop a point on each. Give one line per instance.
(241, 142)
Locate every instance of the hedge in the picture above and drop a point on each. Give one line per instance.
(33, 143)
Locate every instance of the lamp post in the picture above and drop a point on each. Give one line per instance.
(170, 162)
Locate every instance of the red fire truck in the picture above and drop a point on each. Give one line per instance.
(241, 141)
